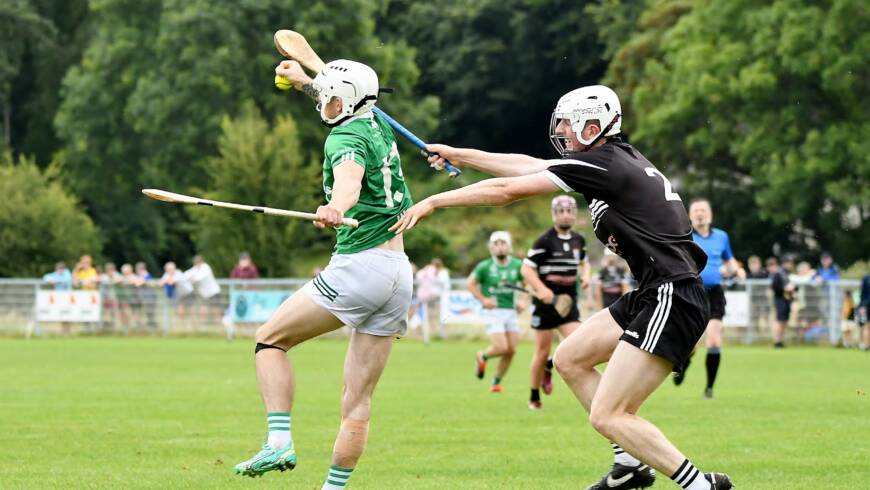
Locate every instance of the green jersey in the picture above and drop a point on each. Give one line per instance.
(493, 277)
(369, 141)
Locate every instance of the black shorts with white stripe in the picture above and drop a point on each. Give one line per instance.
(666, 320)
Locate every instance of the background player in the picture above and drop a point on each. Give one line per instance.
(367, 284)
(717, 246)
(612, 280)
(489, 284)
(636, 213)
(550, 269)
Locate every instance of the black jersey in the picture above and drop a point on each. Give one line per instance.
(635, 211)
(556, 257)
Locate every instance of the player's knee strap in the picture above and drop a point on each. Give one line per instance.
(261, 346)
(351, 440)
(714, 350)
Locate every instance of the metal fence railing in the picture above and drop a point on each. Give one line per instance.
(242, 305)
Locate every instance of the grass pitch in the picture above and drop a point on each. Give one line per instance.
(179, 413)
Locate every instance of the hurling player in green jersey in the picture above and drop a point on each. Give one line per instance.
(368, 282)
(493, 282)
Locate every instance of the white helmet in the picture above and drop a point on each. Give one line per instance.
(582, 105)
(354, 83)
(503, 236)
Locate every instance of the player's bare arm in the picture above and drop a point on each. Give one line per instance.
(495, 164)
(530, 275)
(474, 289)
(491, 192)
(345, 193)
(586, 275)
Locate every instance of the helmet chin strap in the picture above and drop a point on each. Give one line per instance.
(356, 107)
(563, 227)
(602, 133)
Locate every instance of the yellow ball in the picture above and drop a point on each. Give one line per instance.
(282, 83)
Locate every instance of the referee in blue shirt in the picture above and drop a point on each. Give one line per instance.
(716, 244)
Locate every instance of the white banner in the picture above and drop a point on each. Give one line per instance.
(68, 306)
(736, 309)
(460, 307)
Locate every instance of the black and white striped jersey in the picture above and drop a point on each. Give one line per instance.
(635, 211)
(557, 257)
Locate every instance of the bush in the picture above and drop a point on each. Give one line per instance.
(40, 222)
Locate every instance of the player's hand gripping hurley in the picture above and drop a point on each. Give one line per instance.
(294, 46)
(172, 197)
(561, 302)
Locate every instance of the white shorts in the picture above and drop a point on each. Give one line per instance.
(369, 291)
(501, 320)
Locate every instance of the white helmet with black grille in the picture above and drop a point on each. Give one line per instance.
(356, 84)
(595, 102)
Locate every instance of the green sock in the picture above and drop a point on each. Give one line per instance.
(279, 429)
(337, 477)
(484, 357)
(496, 381)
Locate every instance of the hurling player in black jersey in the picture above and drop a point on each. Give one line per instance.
(637, 214)
(551, 267)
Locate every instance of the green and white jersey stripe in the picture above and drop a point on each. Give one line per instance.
(369, 141)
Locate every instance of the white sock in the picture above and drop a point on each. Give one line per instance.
(279, 429)
(690, 478)
(622, 457)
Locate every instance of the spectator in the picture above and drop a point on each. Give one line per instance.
(245, 268)
(759, 310)
(173, 283)
(202, 279)
(432, 280)
(783, 294)
(755, 269)
(146, 294)
(84, 274)
(612, 281)
(128, 297)
(109, 281)
(828, 271)
(60, 279)
(830, 297)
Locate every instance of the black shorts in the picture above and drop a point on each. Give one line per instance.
(545, 317)
(783, 309)
(666, 320)
(717, 302)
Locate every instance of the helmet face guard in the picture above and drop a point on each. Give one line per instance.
(355, 84)
(578, 107)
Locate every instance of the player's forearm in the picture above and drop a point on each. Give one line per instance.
(474, 289)
(310, 90)
(491, 192)
(499, 164)
(587, 271)
(532, 279)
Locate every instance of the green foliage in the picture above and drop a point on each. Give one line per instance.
(40, 222)
(499, 66)
(262, 165)
(144, 108)
(763, 106)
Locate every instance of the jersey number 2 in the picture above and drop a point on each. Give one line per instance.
(669, 194)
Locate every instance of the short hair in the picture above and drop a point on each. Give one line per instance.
(244, 255)
(771, 261)
(700, 199)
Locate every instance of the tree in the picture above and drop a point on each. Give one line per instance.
(765, 108)
(40, 222)
(498, 66)
(22, 32)
(259, 164)
(144, 108)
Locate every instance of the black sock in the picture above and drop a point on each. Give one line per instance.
(536, 395)
(713, 358)
(550, 363)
